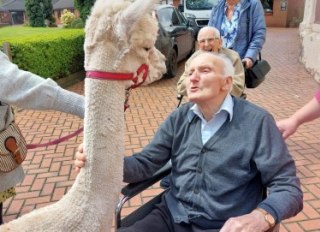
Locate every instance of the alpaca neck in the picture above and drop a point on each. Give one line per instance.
(104, 133)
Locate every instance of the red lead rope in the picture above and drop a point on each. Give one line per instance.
(56, 141)
(103, 76)
(121, 76)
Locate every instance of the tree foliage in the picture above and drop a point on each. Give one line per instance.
(39, 10)
(34, 11)
(84, 7)
(48, 10)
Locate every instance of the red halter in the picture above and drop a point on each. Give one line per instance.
(122, 76)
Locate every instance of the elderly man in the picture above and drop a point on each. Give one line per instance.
(209, 40)
(221, 161)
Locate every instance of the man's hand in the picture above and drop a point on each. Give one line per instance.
(252, 222)
(248, 62)
(80, 159)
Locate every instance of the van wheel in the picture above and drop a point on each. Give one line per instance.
(172, 67)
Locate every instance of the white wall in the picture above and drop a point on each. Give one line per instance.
(310, 38)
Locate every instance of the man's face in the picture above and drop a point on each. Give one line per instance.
(208, 41)
(206, 81)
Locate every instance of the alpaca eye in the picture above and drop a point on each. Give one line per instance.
(147, 49)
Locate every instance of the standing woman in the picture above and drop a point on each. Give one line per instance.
(242, 27)
(29, 91)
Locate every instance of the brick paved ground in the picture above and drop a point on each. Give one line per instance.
(50, 172)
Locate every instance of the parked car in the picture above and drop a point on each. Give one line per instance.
(176, 39)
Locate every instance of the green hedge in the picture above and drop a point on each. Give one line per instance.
(50, 55)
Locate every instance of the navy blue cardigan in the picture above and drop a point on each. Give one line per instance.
(223, 178)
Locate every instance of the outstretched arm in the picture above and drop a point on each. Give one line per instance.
(29, 91)
(307, 113)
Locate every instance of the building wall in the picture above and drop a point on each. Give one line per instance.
(310, 38)
(295, 12)
(5, 17)
(286, 13)
(176, 3)
(278, 18)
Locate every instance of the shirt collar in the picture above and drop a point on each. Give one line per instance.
(227, 106)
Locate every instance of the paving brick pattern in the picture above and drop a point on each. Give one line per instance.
(288, 86)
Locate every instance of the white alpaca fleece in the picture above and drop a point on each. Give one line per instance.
(121, 38)
(90, 203)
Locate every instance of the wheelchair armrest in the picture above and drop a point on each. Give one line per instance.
(133, 189)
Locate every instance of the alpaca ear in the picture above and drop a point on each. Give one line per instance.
(127, 18)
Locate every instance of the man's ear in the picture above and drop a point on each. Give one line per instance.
(228, 84)
(217, 45)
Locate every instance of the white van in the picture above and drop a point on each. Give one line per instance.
(197, 10)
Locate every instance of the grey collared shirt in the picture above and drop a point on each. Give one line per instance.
(209, 128)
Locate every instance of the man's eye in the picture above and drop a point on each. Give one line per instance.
(190, 73)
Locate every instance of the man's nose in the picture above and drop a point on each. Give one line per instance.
(194, 76)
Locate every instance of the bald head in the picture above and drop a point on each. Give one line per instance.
(209, 39)
(205, 31)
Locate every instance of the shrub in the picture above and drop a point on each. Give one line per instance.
(54, 55)
(67, 17)
(77, 23)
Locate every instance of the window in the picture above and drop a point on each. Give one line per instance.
(168, 17)
(181, 18)
(267, 6)
(164, 16)
(201, 4)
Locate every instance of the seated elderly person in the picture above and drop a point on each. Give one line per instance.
(209, 40)
(224, 152)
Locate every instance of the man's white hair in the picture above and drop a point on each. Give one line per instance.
(228, 68)
(215, 31)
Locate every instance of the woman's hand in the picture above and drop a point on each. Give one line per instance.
(248, 62)
(287, 126)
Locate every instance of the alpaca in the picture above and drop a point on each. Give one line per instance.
(120, 36)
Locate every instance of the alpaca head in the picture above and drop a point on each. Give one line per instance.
(120, 36)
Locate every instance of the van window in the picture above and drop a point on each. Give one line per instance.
(201, 4)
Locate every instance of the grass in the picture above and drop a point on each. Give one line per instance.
(15, 33)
